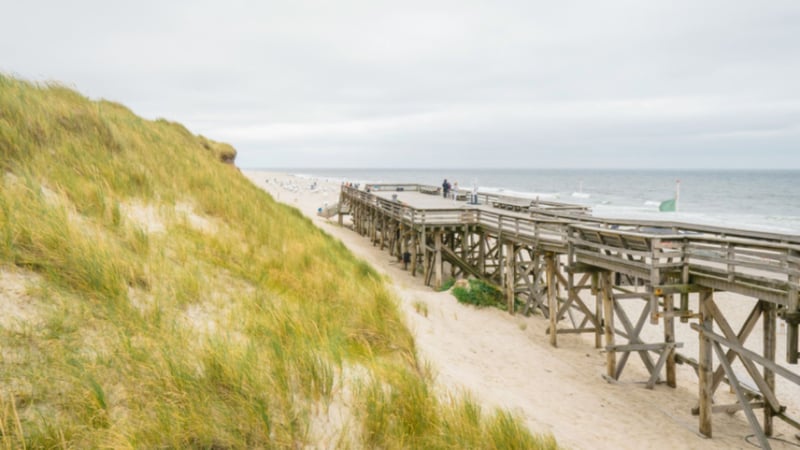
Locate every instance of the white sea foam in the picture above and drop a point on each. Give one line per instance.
(520, 194)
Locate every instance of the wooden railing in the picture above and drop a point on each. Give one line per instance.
(759, 264)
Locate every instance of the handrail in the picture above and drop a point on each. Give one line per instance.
(734, 252)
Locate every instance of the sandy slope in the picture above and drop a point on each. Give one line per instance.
(506, 360)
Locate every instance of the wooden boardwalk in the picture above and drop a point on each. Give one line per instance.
(544, 255)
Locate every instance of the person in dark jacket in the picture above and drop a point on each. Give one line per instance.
(445, 188)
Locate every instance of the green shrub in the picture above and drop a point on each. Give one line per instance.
(447, 284)
(480, 293)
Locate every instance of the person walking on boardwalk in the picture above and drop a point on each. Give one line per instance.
(455, 190)
(445, 188)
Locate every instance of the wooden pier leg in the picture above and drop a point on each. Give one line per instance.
(598, 310)
(465, 247)
(383, 230)
(482, 252)
(684, 306)
(414, 244)
(769, 318)
(608, 323)
(371, 224)
(424, 244)
(552, 302)
(437, 262)
(669, 336)
(402, 245)
(705, 364)
(501, 262)
(510, 275)
(451, 244)
(655, 280)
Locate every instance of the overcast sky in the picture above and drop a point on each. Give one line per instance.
(561, 84)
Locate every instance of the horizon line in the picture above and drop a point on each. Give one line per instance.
(696, 169)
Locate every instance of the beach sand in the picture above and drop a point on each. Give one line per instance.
(506, 361)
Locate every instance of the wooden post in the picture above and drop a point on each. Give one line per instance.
(684, 299)
(598, 310)
(500, 260)
(424, 250)
(403, 244)
(465, 247)
(371, 225)
(552, 303)
(655, 279)
(769, 319)
(482, 252)
(608, 323)
(451, 243)
(669, 336)
(704, 369)
(437, 262)
(510, 275)
(414, 243)
(383, 230)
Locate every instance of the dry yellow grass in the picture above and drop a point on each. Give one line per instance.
(172, 304)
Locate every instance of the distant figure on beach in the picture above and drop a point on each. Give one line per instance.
(455, 190)
(445, 188)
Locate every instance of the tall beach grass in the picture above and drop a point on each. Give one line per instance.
(172, 304)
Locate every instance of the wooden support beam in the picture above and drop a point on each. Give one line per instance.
(732, 409)
(451, 245)
(465, 244)
(573, 297)
(642, 347)
(731, 338)
(455, 259)
(552, 304)
(704, 371)
(481, 251)
(510, 272)
(598, 307)
(403, 247)
(633, 333)
(437, 262)
(748, 411)
(500, 260)
(755, 357)
(429, 270)
(414, 247)
(668, 350)
(769, 319)
(608, 323)
(655, 280)
(424, 244)
(669, 289)
(744, 333)
(592, 330)
(669, 337)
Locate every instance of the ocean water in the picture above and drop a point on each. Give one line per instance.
(759, 200)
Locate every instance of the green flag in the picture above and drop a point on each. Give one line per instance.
(667, 205)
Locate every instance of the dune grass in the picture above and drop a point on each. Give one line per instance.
(178, 306)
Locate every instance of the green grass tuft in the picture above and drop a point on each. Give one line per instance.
(480, 293)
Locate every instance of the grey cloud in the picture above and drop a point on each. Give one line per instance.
(509, 83)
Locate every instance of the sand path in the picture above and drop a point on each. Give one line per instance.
(506, 360)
